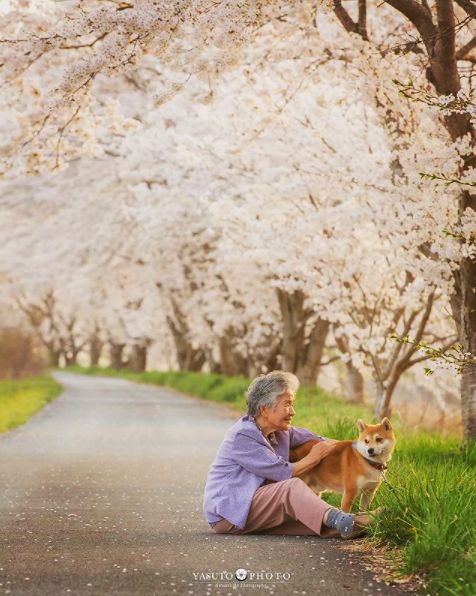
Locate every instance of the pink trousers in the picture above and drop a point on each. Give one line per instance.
(286, 507)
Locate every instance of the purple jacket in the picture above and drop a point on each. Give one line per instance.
(244, 461)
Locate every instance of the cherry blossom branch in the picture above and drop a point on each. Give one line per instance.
(420, 16)
(450, 356)
(448, 180)
(462, 53)
(61, 134)
(344, 18)
(460, 103)
(468, 6)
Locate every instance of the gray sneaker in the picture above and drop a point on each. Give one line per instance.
(361, 523)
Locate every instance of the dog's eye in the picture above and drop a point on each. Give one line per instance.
(366, 441)
(379, 440)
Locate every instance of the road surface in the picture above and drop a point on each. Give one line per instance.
(101, 493)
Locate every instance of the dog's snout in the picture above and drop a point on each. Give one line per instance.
(371, 450)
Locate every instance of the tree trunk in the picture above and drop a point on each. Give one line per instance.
(243, 369)
(115, 355)
(70, 358)
(95, 349)
(227, 361)
(468, 402)
(195, 359)
(213, 365)
(463, 304)
(54, 357)
(354, 384)
(252, 369)
(188, 357)
(231, 362)
(446, 79)
(293, 319)
(309, 368)
(271, 361)
(268, 357)
(382, 407)
(354, 380)
(138, 359)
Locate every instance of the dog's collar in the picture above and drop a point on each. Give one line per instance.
(375, 464)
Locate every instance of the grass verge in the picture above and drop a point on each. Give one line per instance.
(430, 497)
(20, 399)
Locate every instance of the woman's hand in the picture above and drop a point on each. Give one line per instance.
(320, 450)
(315, 455)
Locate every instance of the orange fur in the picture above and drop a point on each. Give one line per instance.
(345, 470)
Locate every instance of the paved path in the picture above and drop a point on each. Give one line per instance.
(101, 494)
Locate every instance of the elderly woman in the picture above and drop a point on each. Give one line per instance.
(252, 486)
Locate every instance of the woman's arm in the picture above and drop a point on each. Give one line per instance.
(299, 435)
(259, 459)
(317, 453)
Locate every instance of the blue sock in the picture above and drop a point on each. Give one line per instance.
(342, 522)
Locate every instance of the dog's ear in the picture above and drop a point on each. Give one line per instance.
(361, 425)
(386, 424)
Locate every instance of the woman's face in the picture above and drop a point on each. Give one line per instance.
(280, 417)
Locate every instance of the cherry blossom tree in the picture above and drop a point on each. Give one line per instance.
(309, 194)
(443, 36)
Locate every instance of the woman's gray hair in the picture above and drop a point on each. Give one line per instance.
(265, 390)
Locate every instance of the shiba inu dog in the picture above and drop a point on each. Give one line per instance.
(353, 467)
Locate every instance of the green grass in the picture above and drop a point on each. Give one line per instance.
(430, 498)
(20, 399)
(431, 512)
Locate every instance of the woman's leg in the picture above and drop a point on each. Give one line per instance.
(280, 502)
(290, 527)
